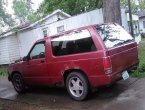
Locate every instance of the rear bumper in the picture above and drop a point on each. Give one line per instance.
(102, 80)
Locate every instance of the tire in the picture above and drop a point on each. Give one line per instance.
(77, 86)
(18, 83)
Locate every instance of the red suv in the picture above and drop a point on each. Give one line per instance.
(79, 59)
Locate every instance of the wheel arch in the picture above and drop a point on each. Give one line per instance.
(14, 73)
(67, 72)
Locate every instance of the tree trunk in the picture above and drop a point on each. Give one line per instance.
(112, 11)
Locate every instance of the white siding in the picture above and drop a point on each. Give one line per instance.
(90, 18)
(85, 19)
(54, 18)
(13, 48)
(4, 55)
(27, 39)
(138, 39)
(124, 19)
(61, 16)
(141, 24)
(51, 19)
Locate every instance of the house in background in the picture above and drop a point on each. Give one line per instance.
(16, 44)
(136, 27)
(141, 15)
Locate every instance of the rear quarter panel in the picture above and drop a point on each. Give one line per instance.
(91, 63)
(124, 56)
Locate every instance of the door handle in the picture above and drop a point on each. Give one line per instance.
(42, 61)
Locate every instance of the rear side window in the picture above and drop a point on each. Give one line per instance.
(113, 35)
(73, 43)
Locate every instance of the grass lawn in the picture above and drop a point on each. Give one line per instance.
(140, 72)
(3, 70)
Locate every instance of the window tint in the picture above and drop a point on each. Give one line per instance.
(73, 43)
(38, 51)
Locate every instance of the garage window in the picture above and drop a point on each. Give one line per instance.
(45, 33)
(60, 28)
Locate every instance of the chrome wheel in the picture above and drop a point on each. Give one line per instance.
(76, 86)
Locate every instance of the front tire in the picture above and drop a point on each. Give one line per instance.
(77, 86)
(18, 83)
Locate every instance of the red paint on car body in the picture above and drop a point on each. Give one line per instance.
(50, 69)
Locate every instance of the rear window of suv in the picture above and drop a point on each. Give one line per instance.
(113, 35)
(73, 43)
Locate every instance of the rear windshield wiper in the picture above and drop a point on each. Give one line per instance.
(120, 43)
(124, 41)
(114, 39)
(127, 40)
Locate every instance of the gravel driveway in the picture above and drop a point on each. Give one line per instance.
(124, 95)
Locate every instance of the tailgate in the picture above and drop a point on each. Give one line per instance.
(123, 57)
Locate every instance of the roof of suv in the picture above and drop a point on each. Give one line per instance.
(65, 32)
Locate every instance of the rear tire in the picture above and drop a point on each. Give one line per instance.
(18, 83)
(77, 86)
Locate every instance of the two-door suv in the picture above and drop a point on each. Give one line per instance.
(79, 59)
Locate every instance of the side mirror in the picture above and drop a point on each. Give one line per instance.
(26, 58)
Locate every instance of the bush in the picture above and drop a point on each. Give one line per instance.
(142, 68)
(140, 72)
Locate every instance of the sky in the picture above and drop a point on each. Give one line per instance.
(9, 4)
(9, 9)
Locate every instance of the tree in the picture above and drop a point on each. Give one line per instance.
(134, 7)
(141, 4)
(112, 12)
(71, 7)
(74, 7)
(99, 3)
(5, 18)
(23, 11)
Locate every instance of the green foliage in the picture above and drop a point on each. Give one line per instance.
(32, 17)
(99, 3)
(74, 7)
(71, 7)
(141, 4)
(140, 72)
(134, 7)
(23, 11)
(1, 108)
(5, 18)
(142, 68)
(3, 70)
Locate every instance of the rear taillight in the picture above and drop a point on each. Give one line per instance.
(107, 65)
